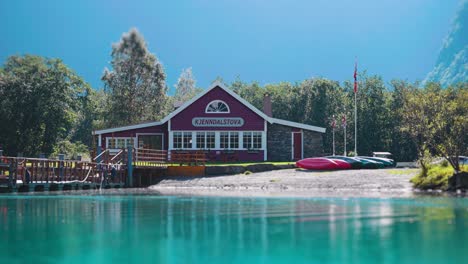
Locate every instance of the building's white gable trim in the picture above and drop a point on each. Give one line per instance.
(214, 85)
(298, 125)
(191, 101)
(116, 129)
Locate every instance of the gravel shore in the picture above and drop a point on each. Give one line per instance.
(296, 182)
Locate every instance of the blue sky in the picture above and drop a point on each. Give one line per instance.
(261, 40)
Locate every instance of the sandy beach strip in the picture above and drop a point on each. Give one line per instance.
(296, 183)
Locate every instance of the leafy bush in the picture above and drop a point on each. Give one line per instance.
(444, 163)
(437, 177)
(247, 172)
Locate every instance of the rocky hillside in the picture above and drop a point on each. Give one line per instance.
(452, 64)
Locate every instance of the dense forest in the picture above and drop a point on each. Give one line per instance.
(45, 107)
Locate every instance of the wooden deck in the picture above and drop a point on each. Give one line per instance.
(46, 174)
(103, 171)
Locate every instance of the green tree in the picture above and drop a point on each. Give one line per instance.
(372, 114)
(315, 102)
(450, 125)
(90, 115)
(38, 103)
(401, 145)
(136, 85)
(436, 121)
(185, 87)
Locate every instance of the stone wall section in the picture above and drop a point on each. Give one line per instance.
(313, 144)
(279, 143)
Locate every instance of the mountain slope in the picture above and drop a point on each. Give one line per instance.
(452, 63)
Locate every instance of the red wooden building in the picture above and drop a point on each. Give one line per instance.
(219, 122)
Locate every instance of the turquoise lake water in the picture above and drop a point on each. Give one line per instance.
(147, 228)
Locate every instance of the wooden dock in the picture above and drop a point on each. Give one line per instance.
(127, 168)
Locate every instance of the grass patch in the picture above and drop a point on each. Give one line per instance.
(219, 163)
(437, 177)
(247, 163)
(403, 171)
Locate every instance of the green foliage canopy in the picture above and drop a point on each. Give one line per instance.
(40, 101)
(136, 85)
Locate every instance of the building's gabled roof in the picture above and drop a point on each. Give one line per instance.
(214, 85)
(298, 125)
(191, 101)
(130, 127)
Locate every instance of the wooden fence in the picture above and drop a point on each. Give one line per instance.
(104, 169)
(26, 171)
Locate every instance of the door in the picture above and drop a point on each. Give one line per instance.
(150, 141)
(297, 145)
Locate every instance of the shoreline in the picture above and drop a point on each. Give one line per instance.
(296, 183)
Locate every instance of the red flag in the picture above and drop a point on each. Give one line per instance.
(355, 77)
(333, 124)
(343, 120)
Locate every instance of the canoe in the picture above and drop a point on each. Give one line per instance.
(317, 164)
(355, 164)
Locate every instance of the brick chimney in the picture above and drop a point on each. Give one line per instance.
(267, 105)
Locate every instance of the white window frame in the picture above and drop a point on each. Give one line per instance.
(173, 141)
(218, 139)
(149, 134)
(217, 101)
(206, 137)
(262, 142)
(116, 138)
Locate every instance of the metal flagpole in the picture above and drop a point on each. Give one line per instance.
(333, 129)
(333, 141)
(355, 125)
(344, 126)
(355, 109)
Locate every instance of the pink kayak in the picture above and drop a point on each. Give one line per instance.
(317, 164)
(342, 165)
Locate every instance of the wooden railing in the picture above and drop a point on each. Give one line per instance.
(102, 157)
(33, 170)
(188, 158)
(149, 158)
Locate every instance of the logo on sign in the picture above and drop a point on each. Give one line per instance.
(217, 122)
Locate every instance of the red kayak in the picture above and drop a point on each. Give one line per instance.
(322, 164)
(342, 165)
(317, 164)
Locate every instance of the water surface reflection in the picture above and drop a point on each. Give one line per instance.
(158, 229)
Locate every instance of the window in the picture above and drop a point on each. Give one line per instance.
(205, 140)
(257, 140)
(229, 140)
(120, 142)
(182, 140)
(224, 140)
(217, 106)
(187, 140)
(111, 143)
(177, 140)
(201, 140)
(247, 142)
(234, 140)
(210, 140)
(252, 140)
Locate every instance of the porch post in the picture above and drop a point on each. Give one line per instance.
(61, 157)
(129, 166)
